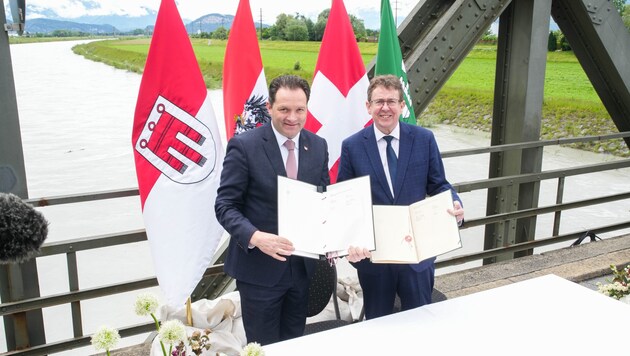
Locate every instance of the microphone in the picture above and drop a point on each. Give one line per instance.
(22, 229)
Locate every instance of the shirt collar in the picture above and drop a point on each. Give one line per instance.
(395, 132)
(281, 138)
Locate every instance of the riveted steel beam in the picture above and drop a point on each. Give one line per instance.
(517, 117)
(601, 43)
(436, 37)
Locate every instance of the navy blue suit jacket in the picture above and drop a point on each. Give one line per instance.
(247, 199)
(420, 171)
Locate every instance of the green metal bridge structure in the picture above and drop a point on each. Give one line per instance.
(435, 38)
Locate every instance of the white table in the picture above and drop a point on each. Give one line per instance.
(541, 316)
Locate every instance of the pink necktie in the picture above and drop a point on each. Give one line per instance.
(291, 164)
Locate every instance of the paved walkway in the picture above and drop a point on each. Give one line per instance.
(586, 264)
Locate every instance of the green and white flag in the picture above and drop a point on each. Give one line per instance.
(389, 58)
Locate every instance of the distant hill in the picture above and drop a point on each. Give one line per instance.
(43, 19)
(209, 23)
(48, 26)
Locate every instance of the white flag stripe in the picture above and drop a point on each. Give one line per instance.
(181, 223)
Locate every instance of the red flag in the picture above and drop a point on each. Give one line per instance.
(178, 155)
(337, 109)
(244, 86)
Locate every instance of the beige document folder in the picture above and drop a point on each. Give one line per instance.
(320, 222)
(410, 234)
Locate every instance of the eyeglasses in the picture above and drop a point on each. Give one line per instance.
(379, 103)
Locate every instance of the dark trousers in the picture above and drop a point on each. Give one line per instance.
(380, 289)
(272, 314)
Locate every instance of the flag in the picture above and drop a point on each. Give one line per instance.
(178, 155)
(389, 59)
(244, 86)
(336, 108)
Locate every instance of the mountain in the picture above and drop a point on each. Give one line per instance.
(122, 22)
(41, 19)
(41, 25)
(209, 23)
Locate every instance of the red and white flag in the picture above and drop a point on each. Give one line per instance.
(244, 86)
(179, 157)
(336, 108)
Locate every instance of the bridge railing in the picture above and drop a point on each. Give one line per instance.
(70, 248)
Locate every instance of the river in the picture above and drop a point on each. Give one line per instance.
(76, 117)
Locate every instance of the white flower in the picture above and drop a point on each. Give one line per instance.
(253, 349)
(146, 303)
(105, 338)
(172, 332)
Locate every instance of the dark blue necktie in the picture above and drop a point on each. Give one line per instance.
(392, 161)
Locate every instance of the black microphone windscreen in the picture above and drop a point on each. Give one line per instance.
(22, 229)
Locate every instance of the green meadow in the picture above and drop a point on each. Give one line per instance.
(571, 106)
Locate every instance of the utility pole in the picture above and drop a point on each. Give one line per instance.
(261, 23)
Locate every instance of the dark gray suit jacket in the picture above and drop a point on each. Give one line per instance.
(247, 198)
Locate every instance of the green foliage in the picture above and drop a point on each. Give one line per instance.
(552, 42)
(296, 30)
(564, 43)
(220, 33)
(297, 66)
(358, 28)
(620, 5)
(625, 16)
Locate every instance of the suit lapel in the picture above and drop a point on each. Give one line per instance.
(270, 145)
(404, 154)
(371, 148)
(305, 157)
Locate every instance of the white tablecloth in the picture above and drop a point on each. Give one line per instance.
(541, 316)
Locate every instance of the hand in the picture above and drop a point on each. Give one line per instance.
(356, 254)
(272, 245)
(457, 211)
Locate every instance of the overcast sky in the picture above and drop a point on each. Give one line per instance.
(193, 9)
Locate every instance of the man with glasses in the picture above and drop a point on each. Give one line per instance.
(405, 166)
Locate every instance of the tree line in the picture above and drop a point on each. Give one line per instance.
(299, 28)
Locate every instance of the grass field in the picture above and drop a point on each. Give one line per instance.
(571, 106)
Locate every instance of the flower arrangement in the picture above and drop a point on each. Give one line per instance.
(617, 287)
(171, 332)
(253, 349)
(105, 338)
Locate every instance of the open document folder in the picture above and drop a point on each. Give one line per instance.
(410, 234)
(322, 222)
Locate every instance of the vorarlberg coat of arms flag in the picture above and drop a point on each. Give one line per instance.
(179, 156)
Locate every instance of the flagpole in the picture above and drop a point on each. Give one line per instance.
(189, 319)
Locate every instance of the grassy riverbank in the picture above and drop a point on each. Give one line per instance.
(571, 106)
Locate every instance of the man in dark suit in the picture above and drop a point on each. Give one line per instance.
(272, 283)
(412, 171)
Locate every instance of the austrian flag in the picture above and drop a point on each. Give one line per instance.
(244, 85)
(179, 156)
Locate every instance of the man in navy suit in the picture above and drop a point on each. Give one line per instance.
(412, 171)
(273, 284)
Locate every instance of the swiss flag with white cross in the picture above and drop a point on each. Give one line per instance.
(336, 108)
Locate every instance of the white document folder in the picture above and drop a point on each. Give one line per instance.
(325, 222)
(410, 234)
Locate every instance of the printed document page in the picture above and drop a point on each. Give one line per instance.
(319, 223)
(410, 234)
